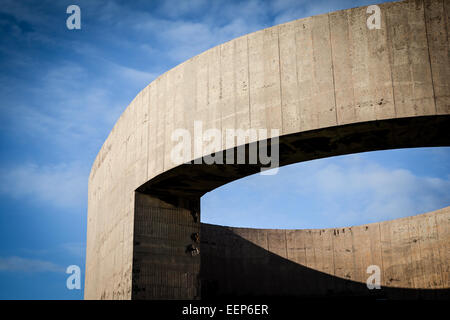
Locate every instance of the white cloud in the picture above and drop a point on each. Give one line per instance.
(72, 250)
(367, 191)
(176, 8)
(332, 192)
(69, 109)
(76, 249)
(140, 78)
(61, 185)
(289, 10)
(19, 264)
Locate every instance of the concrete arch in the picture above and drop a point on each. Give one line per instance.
(329, 85)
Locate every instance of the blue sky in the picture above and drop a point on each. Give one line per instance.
(62, 90)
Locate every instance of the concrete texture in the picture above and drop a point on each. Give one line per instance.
(412, 254)
(329, 84)
(165, 264)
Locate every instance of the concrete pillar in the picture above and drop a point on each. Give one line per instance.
(166, 259)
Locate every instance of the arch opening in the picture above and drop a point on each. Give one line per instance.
(340, 191)
(331, 262)
(145, 208)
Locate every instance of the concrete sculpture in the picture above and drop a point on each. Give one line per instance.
(330, 85)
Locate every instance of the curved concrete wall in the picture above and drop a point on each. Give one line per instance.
(412, 254)
(319, 73)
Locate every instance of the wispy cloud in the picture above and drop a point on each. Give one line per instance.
(75, 249)
(348, 191)
(60, 185)
(19, 264)
(67, 109)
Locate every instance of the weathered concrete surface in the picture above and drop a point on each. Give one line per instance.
(412, 254)
(165, 264)
(310, 78)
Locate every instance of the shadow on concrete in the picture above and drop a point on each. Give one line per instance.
(233, 267)
(189, 181)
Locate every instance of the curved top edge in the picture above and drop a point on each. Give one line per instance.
(117, 123)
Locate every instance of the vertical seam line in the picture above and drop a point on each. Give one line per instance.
(429, 56)
(332, 67)
(279, 73)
